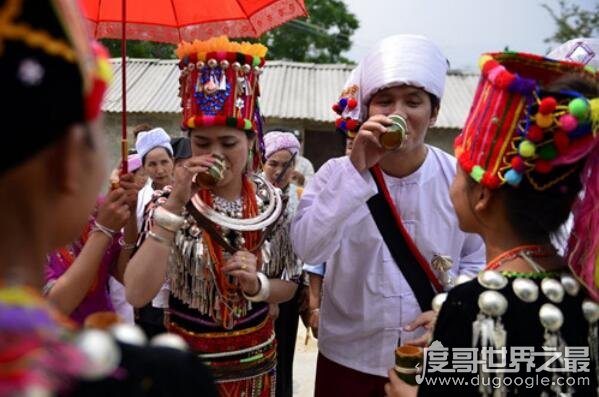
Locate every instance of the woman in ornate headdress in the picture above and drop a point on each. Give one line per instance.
(530, 144)
(208, 233)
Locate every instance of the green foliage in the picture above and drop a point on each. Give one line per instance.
(573, 21)
(141, 49)
(322, 37)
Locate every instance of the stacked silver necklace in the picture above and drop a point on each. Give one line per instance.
(233, 209)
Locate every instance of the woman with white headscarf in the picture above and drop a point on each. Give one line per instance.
(281, 150)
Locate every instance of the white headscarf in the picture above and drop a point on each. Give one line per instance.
(582, 50)
(277, 140)
(402, 59)
(148, 140)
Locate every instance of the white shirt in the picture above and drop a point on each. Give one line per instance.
(119, 302)
(366, 300)
(304, 167)
(144, 196)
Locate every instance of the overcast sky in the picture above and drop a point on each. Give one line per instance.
(462, 28)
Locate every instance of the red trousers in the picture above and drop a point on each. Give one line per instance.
(333, 379)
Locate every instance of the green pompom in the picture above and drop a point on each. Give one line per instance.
(579, 108)
(256, 61)
(247, 125)
(526, 148)
(231, 122)
(477, 173)
(547, 152)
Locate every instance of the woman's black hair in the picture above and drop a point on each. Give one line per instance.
(536, 215)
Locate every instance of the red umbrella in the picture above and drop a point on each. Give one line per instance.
(172, 21)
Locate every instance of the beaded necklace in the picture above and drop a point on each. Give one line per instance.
(530, 250)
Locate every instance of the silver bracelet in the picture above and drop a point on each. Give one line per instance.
(263, 293)
(167, 220)
(124, 245)
(98, 227)
(159, 238)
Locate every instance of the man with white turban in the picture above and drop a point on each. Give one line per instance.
(377, 295)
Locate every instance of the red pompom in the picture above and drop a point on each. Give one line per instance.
(504, 79)
(490, 180)
(338, 122)
(337, 109)
(488, 66)
(93, 101)
(352, 125)
(547, 105)
(352, 103)
(517, 164)
(466, 163)
(543, 166)
(561, 141)
(241, 123)
(535, 133)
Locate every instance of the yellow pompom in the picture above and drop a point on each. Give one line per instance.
(527, 148)
(484, 59)
(105, 70)
(544, 120)
(191, 122)
(594, 105)
(220, 43)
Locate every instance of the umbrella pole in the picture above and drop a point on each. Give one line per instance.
(124, 143)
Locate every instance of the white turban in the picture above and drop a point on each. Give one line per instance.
(402, 59)
(148, 140)
(582, 50)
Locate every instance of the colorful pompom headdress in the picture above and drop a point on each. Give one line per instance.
(347, 106)
(219, 83)
(517, 130)
(51, 73)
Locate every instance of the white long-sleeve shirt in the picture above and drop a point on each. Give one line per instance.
(366, 300)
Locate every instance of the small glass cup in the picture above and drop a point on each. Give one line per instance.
(395, 134)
